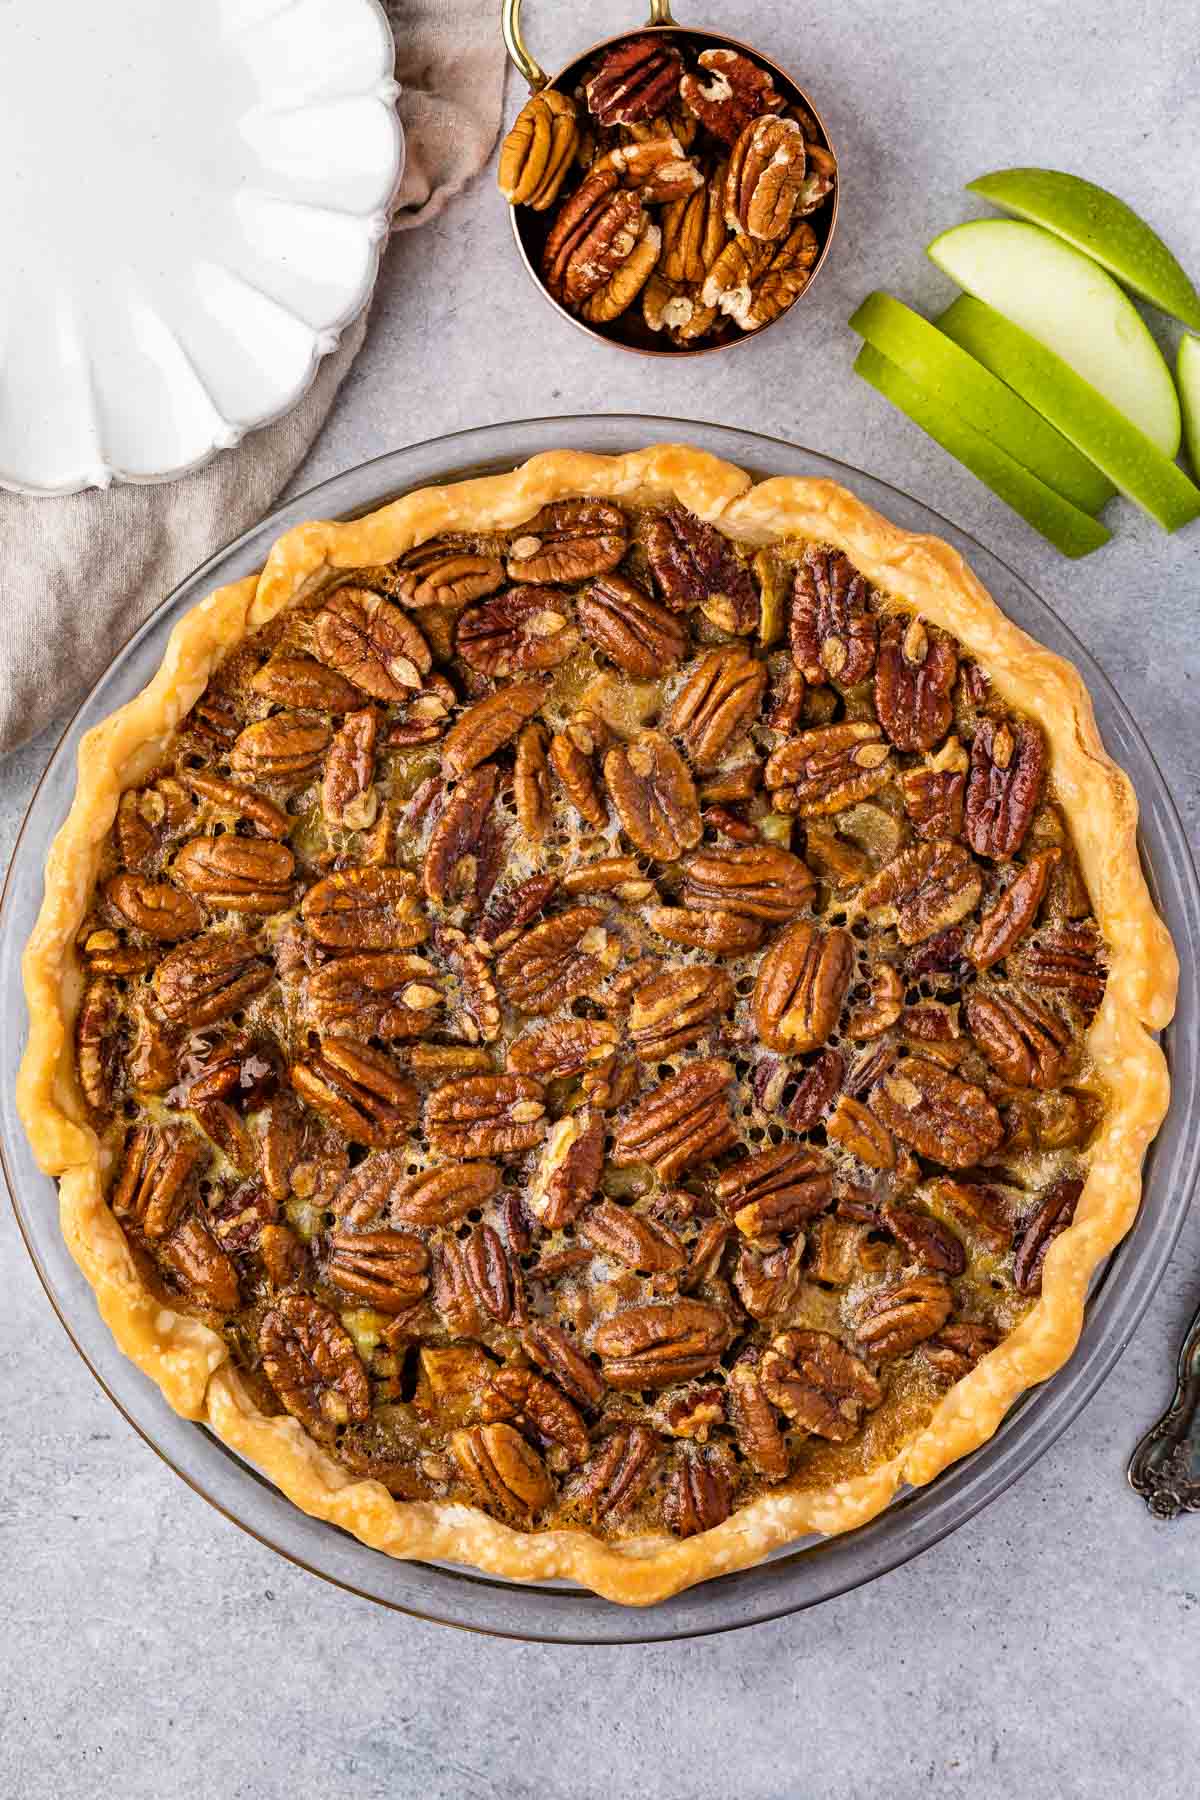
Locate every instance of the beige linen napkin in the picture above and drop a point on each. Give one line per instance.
(79, 574)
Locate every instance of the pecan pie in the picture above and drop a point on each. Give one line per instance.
(598, 1020)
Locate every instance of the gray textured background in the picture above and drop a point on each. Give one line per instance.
(149, 1649)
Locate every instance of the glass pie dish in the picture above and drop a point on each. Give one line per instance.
(803, 1575)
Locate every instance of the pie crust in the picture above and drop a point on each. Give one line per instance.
(191, 1363)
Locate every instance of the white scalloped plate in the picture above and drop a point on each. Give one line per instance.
(194, 195)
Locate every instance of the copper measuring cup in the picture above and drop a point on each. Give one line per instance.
(530, 228)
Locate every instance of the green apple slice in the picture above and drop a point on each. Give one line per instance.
(1188, 371)
(1100, 225)
(1065, 301)
(951, 376)
(1092, 423)
(1071, 531)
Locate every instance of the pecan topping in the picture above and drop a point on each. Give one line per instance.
(452, 856)
(620, 875)
(347, 796)
(935, 1113)
(531, 783)
(816, 1090)
(574, 768)
(695, 566)
(387, 1269)
(699, 1495)
(491, 1277)
(310, 1360)
(829, 769)
(914, 679)
(755, 880)
(933, 796)
(676, 1009)
(1008, 765)
(923, 890)
(96, 1047)
(200, 1264)
(616, 1475)
(822, 1387)
(1007, 921)
(480, 730)
(641, 636)
(513, 910)
(775, 1190)
(485, 1115)
(238, 802)
(636, 79)
(241, 874)
(287, 747)
(926, 1239)
(1026, 1043)
(154, 907)
(720, 932)
(556, 1353)
(633, 1238)
(201, 983)
(895, 1319)
(359, 1090)
(524, 630)
(1053, 1213)
(563, 1046)
(683, 1122)
(153, 1186)
(762, 185)
(753, 1419)
(301, 681)
(441, 1196)
(718, 701)
(769, 1281)
(569, 540)
(983, 1209)
(372, 643)
(451, 1293)
(832, 631)
(1066, 960)
(956, 1349)
(536, 156)
(658, 1345)
(385, 995)
(503, 1471)
(552, 962)
(654, 796)
(801, 985)
(539, 1407)
(367, 908)
(736, 92)
(569, 1172)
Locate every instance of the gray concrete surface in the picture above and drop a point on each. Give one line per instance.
(147, 1648)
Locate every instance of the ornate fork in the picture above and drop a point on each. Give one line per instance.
(1165, 1467)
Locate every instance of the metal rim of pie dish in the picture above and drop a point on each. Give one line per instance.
(794, 1578)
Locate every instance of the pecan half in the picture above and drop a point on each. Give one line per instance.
(518, 632)
(895, 1319)
(695, 566)
(1026, 1043)
(201, 983)
(153, 1186)
(491, 1277)
(1065, 960)
(753, 1419)
(801, 984)
(385, 995)
(736, 92)
(822, 1388)
(720, 932)
(452, 855)
(485, 1115)
(699, 1495)
(387, 1269)
(536, 156)
(368, 908)
(654, 796)
(1010, 917)
(569, 540)
(287, 748)
(477, 1008)
(815, 1092)
(641, 636)
(348, 798)
(444, 1195)
(569, 1172)
(239, 874)
(754, 281)
(620, 875)
(828, 769)
(755, 880)
(656, 168)
(201, 1265)
(926, 1239)
(372, 643)
(450, 1292)
(934, 795)
(359, 1090)
(96, 1043)
(769, 1281)
(984, 1210)
(676, 1009)
(235, 800)
(482, 728)
(775, 1190)
(560, 1357)
(574, 768)
(718, 701)
(926, 888)
(539, 1407)
(762, 184)
(636, 79)
(616, 1475)
(564, 1046)
(1054, 1211)
(301, 681)
(684, 1121)
(633, 1238)
(552, 962)
(935, 1113)
(955, 1350)
(854, 1128)
(154, 907)
(883, 1006)
(502, 1470)
(1008, 766)
(309, 1358)
(445, 571)
(831, 627)
(656, 1346)
(531, 782)
(915, 672)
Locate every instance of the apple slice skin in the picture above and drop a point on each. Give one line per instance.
(1082, 414)
(1187, 370)
(1100, 225)
(1073, 532)
(1073, 306)
(952, 377)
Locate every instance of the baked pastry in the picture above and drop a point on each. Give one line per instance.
(596, 1020)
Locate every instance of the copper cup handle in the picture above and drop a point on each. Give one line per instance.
(527, 65)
